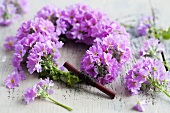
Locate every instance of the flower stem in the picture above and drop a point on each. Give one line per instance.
(66, 107)
(165, 92)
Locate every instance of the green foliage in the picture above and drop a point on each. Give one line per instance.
(50, 70)
(166, 34)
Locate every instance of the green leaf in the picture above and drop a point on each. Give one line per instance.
(166, 34)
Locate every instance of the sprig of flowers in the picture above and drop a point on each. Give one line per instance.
(103, 61)
(147, 27)
(148, 73)
(42, 89)
(151, 48)
(11, 10)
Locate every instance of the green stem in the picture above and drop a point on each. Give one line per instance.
(165, 92)
(165, 64)
(66, 107)
(127, 26)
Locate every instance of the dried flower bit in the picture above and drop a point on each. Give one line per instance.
(140, 106)
(42, 89)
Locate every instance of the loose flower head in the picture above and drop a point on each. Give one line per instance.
(140, 106)
(147, 72)
(10, 43)
(12, 80)
(42, 89)
(151, 47)
(8, 14)
(144, 25)
(11, 10)
(22, 6)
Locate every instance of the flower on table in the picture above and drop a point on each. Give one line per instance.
(42, 89)
(12, 80)
(11, 10)
(10, 43)
(140, 106)
(144, 25)
(8, 14)
(151, 47)
(148, 74)
(22, 6)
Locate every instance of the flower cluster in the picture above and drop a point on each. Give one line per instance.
(81, 23)
(42, 89)
(103, 61)
(144, 25)
(11, 10)
(36, 42)
(151, 47)
(148, 73)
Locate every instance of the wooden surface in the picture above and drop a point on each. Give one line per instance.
(84, 99)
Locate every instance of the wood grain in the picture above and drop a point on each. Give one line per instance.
(83, 98)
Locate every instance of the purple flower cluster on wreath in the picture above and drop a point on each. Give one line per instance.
(103, 61)
(147, 71)
(11, 10)
(35, 39)
(151, 47)
(81, 23)
(41, 89)
(144, 25)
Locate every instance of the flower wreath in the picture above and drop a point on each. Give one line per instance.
(37, 42)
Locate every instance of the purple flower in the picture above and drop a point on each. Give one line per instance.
(140, 106)
(8, 14)
(146, 71)
(22, 6)
(37, 26)
(42, 88)
(151, 47)
(144, 25)
(61, 27)
(40, 50)
(17, 59)
(50, 13)
(12, 80)
(103, 61)
(10, 42)
(30, 94)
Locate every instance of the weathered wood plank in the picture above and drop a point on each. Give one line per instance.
(84, 99)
